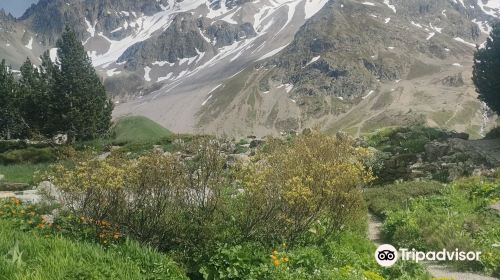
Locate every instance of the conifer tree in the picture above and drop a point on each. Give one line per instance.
(486, 72)
(80, 98)
(12, 124)
(33, 100)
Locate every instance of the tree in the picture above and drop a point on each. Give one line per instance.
(80, 105)
(33, 98)
(12, 125)
(486, 71)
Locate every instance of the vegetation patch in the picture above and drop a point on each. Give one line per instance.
(31, 255)
(460, 217)
(137, 129)
(398, 196)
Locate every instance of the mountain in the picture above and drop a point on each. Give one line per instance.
(242, 67)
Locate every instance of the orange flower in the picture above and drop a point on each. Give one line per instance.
(285, 259)
(276, 262)
(273, 257)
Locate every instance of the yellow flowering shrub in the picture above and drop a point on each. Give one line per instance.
(166, 200)
(290, 186)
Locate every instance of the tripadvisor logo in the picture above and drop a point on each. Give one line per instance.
(387, 255)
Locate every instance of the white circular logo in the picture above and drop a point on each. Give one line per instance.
(386, 255)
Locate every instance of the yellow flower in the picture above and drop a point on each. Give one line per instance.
(273, 257)
(285, 259)
(275, 252)
(30, 222)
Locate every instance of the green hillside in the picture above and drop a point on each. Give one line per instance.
(137, 129)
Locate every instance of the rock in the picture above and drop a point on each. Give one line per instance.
(48, 219)
(103, 156)
(6, 195)
(158, 149)
(31, 196)
(256, 143)
(6, 186)
(167, 154)
(435, 150)
(342, 136)
(234, 158)
(495, 207)
(459, 135)
(306, 131)
(48, 189)
(60, 139)
(453, 81)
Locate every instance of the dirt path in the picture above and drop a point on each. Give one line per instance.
(436, 270)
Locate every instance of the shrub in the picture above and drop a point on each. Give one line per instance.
(30, 154)
(162, 199)
(293, 185)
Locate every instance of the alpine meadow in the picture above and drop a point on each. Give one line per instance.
(250, 140)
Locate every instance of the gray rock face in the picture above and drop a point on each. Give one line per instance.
(49, 17)
(186, 37)
(346, 48)
(453, 81)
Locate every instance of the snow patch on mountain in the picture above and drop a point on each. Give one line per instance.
(388, 4)
(147, 71)
(30, 44)
(492, 7)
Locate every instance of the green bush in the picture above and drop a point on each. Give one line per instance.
(398, 196)
(29, 155)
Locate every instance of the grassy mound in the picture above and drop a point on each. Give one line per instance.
(28, 255)
(137, 129)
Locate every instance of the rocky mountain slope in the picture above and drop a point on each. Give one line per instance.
(269, 66)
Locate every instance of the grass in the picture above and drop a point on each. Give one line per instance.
(137, 129)
(21, 173)
(458, 217)
(28, 255)
(398, 196)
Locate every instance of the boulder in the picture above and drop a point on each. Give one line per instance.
(103, 156)
(48, 189)
(307, 131)
(60, 139)
(435, 150)
(256, 143)
(459, 135)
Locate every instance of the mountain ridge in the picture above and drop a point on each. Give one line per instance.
(299, 63)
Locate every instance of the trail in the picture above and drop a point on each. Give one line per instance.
(436, 270)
